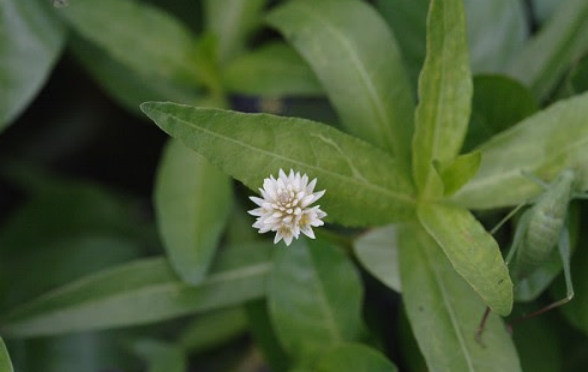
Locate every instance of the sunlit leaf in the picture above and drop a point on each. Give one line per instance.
(458, 171)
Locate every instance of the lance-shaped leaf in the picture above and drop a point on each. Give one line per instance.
(445, 90)
(445, 313)
(5, 363)
(232, 22)
(472, 251)
(458, 171)
(31, 40)
(139, 36)
(564, 39)
(272, 70)
(544, 144)
(365, 186)
(354, 357)
(314, 299)
(378, 253)
(360, 67)
(192, 203)
(141, 292)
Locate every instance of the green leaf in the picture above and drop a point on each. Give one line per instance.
(545, 58)
(141, 292)
(5, 363)
(472, 251)
(364, 185)
(160, 357)
(128, 87)
(31, 40)
(211, 330)
(360, 67)
(377, 251)
(445, 313)
(458, 171)
(499, 102)
(544, 144)
(354, 358)
(141, 37)
(192, 204)
(497, 30)
(445, 90)
(265, 336)
(314, 298)
(272, 70)
(232, 22)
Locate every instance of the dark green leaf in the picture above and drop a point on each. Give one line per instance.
(544, 144)
(141, 292)
(458, 171)
(314, 298)
(359, 67)
(232, 22)
(31, 40)
(472, 251)
(537, 338)
(377, 251)
(444, 312)
(192, 203)
(124, 84)
(364, 185)
(212, 330)
(265, 337)
(160, 357)
(499, 102)
(272, 70)
(445, 89)
(5, 363)
(545, 58)
(354, 358)
(140, 37)
(576, 311)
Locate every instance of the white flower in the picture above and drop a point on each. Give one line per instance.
(285, 207)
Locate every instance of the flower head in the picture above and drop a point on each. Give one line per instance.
(285, 207)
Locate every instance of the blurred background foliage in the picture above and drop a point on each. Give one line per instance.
(79, 165)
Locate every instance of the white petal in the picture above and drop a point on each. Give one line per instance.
(256, 212)
(318, 195)
(306, 201)
(257, 200)
(307, 230)
(310, 186)
(288, 239)
(278, 237)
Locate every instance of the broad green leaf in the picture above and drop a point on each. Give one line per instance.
(444, 312)
(31, 40)
(409, 348)
(272, 70)
(498, 103)
(543, 144)
(141, 292)
(496, 30)
(139, 36)
(354, 358)
(5, 363)
(192, 204)
(211, 330)
(160, 356)
(539, 337)
(314, 297)
(360, 68)
(232, 22)
(128, 87)
(472, 251)
(265, 336)
(377, 251)
(545, 58)
(458, 171)
(364, 185)
(445, 90)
